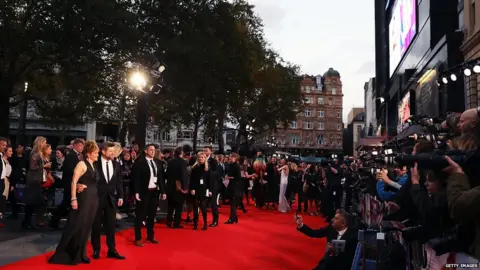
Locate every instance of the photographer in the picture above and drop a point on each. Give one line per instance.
(339, 229)
(383, 181)
(462, 201)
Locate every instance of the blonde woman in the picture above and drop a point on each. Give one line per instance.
(200, 188)
(71, 249)
(283, 204)
(33, 196)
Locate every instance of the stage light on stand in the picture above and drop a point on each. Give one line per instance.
(445, 80)
(467, 72)
(453, 77)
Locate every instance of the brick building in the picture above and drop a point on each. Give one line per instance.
(319, 127)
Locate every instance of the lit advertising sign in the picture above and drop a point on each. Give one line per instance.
(402, 29)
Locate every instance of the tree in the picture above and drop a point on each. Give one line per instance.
(66, 50)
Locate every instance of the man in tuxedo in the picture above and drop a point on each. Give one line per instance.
(177, 187)
(338, 230)
(147, 179)
(110, 195)
(69, 164)
(216, 183)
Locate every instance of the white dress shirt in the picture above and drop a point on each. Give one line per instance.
(106, 162)
(4, 167)
(340, 233)
(153, 178)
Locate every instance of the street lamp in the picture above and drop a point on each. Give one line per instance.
(139, 80)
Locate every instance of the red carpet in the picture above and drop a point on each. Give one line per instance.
(263, 239)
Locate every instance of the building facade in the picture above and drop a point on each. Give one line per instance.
(355, 131)
(416, 40)
(471, 48)
(318, 128)
(370, 108)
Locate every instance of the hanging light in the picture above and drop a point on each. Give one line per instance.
(476, 69)
(467, 72)
(445, 80)
(453, 77)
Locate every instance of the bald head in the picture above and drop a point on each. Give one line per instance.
(468, 121)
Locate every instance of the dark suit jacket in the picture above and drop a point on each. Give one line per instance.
(236, 183)
(113, 189)
(69, 164)
(177, 171)
(215, 177)
(198, 173)
(141, 176)
(343, 260)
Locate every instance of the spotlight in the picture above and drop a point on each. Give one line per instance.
(467, 72)
(453, 77)
(445, 80)
(476, 69)
(438, 82)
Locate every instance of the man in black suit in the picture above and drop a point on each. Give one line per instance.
(177, 187)
(338, 230)
(215, 181)
(110, 195)
(69, 164)
(147, 179)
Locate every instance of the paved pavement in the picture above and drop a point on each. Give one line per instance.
(17, 244)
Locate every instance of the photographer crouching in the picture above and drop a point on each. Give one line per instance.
(341, 241)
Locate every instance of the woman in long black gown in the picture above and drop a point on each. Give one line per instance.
(71, 248)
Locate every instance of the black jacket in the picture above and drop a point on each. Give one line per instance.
(141, 177)
(113, 189)
(343, 260)
(200, 181)
(176, 171)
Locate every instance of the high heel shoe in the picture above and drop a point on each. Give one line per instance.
(232, 221)
(214, 224)
(205, 227)
(26, 226)
(195, 227)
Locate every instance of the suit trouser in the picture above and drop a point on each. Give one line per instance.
(63, 208)
(234, 202)
(106, 215)
(175, 206)
(214, 201)
(146, 208)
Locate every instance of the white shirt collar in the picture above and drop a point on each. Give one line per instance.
(104, 160)
(149, 159)
(340, 233)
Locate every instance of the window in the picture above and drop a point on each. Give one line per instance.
(307, 89)
(166, 136)
(293, 124)
(307, 125)
(309, 100)
(320, 101)
(338, 137)
(472, 16)
(339, 114)
(320, 139)
(321, 113)
(321, 126)
(294, 139)
(330, 101)
(308, 113)
(334, 91)
(309, 141)
(339, 127)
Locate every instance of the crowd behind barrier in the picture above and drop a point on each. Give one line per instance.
(381, 242)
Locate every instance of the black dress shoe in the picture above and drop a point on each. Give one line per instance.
(114, 255)
(26, 226)
(153, 241)
(169, 225)
(86, 260)
(214, 224)
(96, 254)
(178, 227)
(205, 227)
(195, 227)
(231, 221)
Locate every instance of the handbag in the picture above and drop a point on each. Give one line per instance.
(48, 181)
